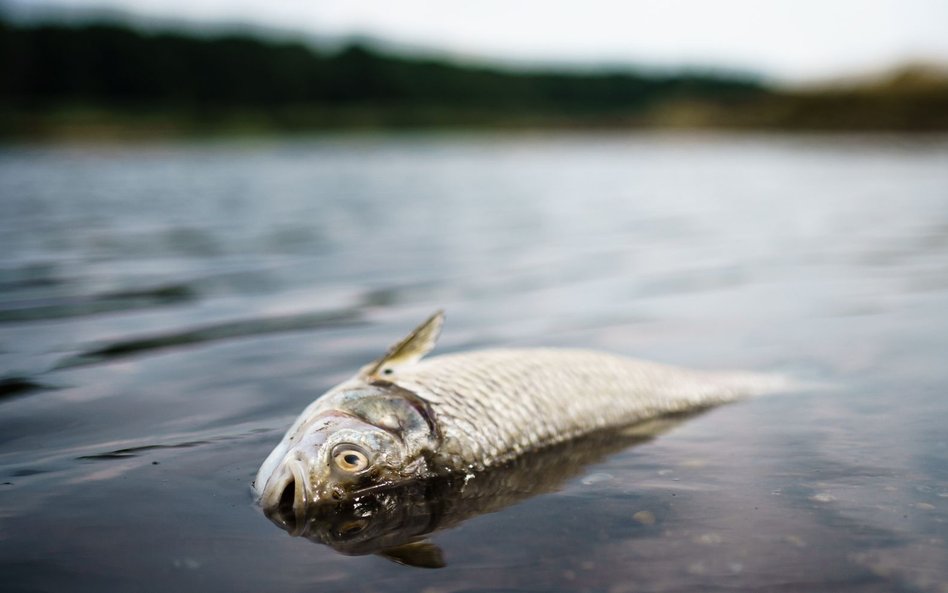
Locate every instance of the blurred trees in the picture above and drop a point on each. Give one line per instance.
(108, 65)
(52, 72)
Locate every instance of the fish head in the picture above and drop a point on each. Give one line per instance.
(354, 441)
(366, 433)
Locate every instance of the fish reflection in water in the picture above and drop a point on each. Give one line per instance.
(395, 521)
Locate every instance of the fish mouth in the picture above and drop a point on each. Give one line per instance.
(287, 497)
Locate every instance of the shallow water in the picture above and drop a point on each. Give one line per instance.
(165, 311)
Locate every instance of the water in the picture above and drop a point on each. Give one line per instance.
(166, 310)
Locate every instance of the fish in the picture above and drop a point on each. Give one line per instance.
(405, 417)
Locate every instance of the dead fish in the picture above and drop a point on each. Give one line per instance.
(402, 418)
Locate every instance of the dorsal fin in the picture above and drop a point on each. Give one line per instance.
(412, 348)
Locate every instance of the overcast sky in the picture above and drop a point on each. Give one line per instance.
(787, 39)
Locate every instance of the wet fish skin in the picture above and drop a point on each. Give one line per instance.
(414, 418)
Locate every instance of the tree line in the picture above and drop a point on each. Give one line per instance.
(116, 66)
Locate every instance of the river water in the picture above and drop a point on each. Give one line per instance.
(166, 310)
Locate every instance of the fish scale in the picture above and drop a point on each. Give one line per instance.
(516, 399)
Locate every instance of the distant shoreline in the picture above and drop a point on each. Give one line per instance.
(111, 81)
(102, 124)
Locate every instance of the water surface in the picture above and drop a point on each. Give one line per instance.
(166, 310)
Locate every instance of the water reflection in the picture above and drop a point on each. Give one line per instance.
(394, 522)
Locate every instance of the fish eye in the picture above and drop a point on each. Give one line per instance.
(349, 459)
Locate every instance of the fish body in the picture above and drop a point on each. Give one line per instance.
(402, 418)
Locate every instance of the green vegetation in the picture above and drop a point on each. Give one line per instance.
(112, 80)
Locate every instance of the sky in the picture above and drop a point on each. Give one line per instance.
(788, 40)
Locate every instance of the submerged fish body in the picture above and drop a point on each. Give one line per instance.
(401, 418)
(395, 522)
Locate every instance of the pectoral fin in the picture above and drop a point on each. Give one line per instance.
(423, 554)
(411, 349)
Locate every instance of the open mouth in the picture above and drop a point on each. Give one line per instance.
(286, 502)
